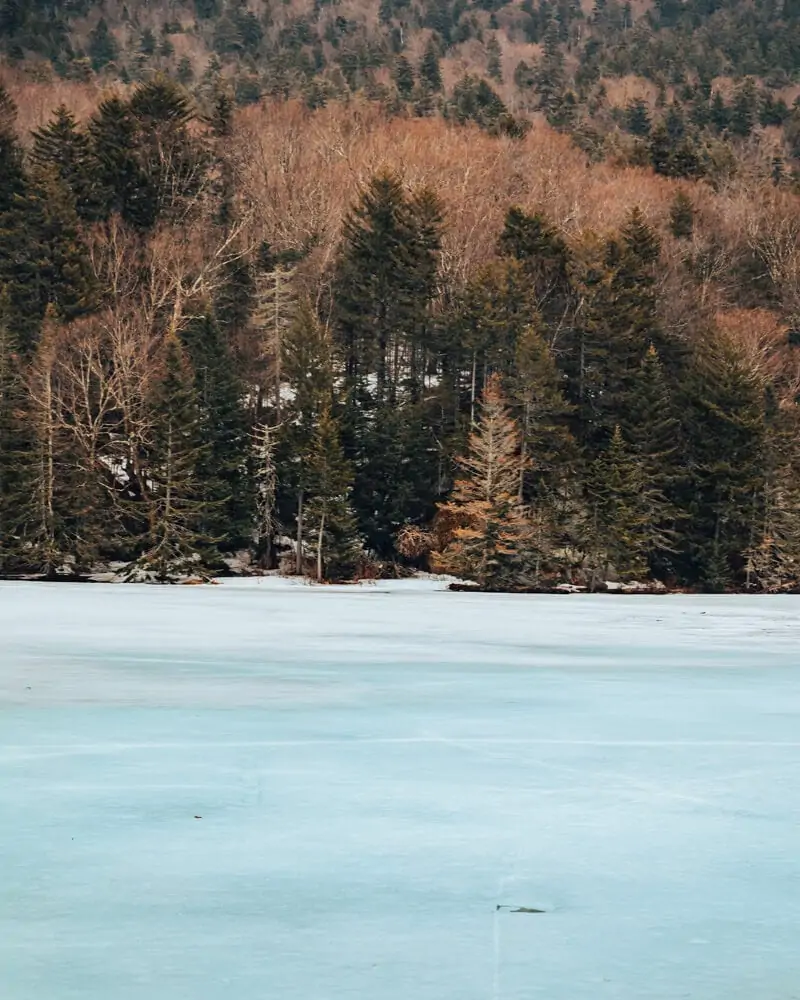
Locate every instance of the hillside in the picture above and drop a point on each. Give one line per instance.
(662, 83)
(398, 325)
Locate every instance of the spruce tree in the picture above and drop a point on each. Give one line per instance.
(490, 534)
(637, 118)
(544, 255)
(723, 420)
(429, 72)
(61, 146)
(223, 468)
(15, 445)
(103, 48)
(330, 521)
(55, 528)
(174, 505)
(11, 156)
(404, 79)
(626, 514)
(681, 216)
(309, 374)
(113, 137)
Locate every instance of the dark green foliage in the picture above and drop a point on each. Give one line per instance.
(15, 446)
(493, 54)
(533, 241)
(150, 165)
(223, 467)
(429, 71)
(103, 48)
(63, 147)
(474, 100)
(724, 433)
(147, 43)
(403, 76)
(332, 534)
(745, 111)
(175, 504)
(626, 514)
(681, 216)
(384, 283)
(637, 118)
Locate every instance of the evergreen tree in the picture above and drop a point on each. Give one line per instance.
(745, 110)
(309, 374)
(223, 469)
(403, 76)
(11, 158)
(681, 216)
(637, 117)
(174, 504)
(329, 517)
(61, 146)
(626, 513)
(493, 64)
(490, 535)
(15, 445)
(103, 48)
(429, 72)
(724, 433)
(54, 527)
(113, 136)
(543, 253)
(64, 269)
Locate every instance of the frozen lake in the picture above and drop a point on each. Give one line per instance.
(257, 791)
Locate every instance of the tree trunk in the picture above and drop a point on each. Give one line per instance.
(472, 389)
(319, 547)
(299, 543)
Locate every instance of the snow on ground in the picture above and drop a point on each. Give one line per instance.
(263, 789)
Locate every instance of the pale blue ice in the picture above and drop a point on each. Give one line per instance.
(256, 791)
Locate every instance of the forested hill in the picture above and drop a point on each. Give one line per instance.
(661, 83)
(353, 291)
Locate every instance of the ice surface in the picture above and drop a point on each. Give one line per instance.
(376, 771)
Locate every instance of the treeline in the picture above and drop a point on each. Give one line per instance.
(705, 77)
(176, 390)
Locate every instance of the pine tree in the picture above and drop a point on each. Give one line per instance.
(113, 137)
(54, 526)
(547, 446)
(627, 514)
(491, 539)
(275, 306)
(15, 445)
(543, 253)
(329, 517)
(772, 561)
(384, 283)
(11, 157)
(681, 216)
(493, 64)
(265, 477)
(745, 110)
(65, 274)
(223, 469)
(103, 48)
(174, 505)
(61, 146)
(637, 117)
(309, 373)
(724, 456)
(429, 72)
(404, 79)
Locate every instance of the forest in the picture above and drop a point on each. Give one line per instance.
(400, 326)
